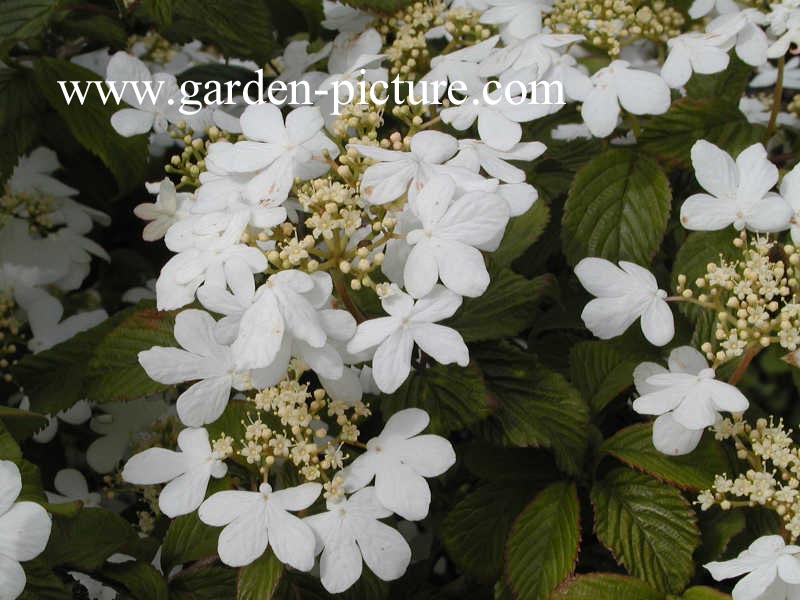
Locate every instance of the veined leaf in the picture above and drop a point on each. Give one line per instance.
(521, 233)
(543, 545)
(634, 446)
(259, 580)
(605, 586)
(648, 526)
(617, 208)
(600, 371)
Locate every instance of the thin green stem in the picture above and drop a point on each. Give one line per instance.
(777, 95)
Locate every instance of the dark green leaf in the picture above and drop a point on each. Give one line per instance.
(727, 86)
(671, 136)
(453, 396)
(259, 580)
(87, 540)
(600, 371)
(90, 122)
(474, 532)
(160, 11)
(606, 586)
(648, 526)
(617, 208)
(507, 307)
(213, 583)
(188, 539)
(382, 6)
(521, 233)
(98, 28)
(718, 528)
(534, 405)
(543, 545)
(22, 19)
(139, 578)
(21, 423)
(20, 106)
(701, 592)
(634, 446)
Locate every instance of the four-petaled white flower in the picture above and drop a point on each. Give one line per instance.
(772, 567)
(624, 294)
(638, 92)
(738, 192)
(693, 400)
(24, 531)
(71, 485)
(445, 245)
(410, 322)
(203, 358)
(399, 460)
(670, 436)
(186, 473)
(349, 530)
(695, 52)
(170, 206)
(254, 520)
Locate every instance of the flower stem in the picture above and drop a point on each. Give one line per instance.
(776, 101)
(749, 355)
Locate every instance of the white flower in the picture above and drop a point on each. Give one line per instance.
(44, 315)
(34, 174)
(531, 58)
(784, 21)
(410, 322)
(117, 426)
(768, 74)
(695, 52)
(170, 206)
(145, 113)
(349, 530)
(517, 19)
(738, 191)
(445, 244)
(255, 520)
(639, 92)
(745, 28)
(283, 304)
(772, 567)
(203, 359)
(341, 17)
(24, 531)
(701, 8)
(790, 191)
(669, 436)
(71, 485)
(461, 65)
(186, 473)
(624, 295)
(397, 171)
(399, 460)
(692, 399)
(296, 59)
(474, 154)
(278, 151)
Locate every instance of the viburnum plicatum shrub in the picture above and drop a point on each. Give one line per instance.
(496, 348)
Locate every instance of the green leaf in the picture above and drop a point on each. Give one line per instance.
(534, 405)
(90, 122)
(671, 136)
(213, 583)
(453, 396)
(20, 118)
(474, 532)
(21, 423)
(726, 86)
(648, 526)
(701, 592)
(381, 6)
(9, 449)
(139, 578)
(634, 446)
(42, 583)
(718, 528)
(87, 540)
(543, 545)
(521, 233)
(99, 28)
(497, 463)
(160, 11)
(23, 19)
(617, 208)
(600, 371)
(188, 539)
(100, 364)
(259, 580)
(605, 586)
(507, 307)
(239, 28)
